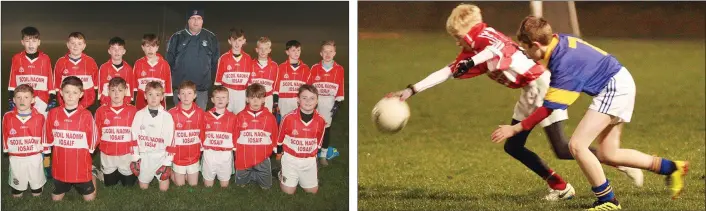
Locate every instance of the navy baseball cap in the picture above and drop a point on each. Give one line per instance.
(193, 12)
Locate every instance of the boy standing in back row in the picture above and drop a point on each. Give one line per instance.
(76, 63)
(233, 70)
(292, 74)
(32, 67)
(328, 78)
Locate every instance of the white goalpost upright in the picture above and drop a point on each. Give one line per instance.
(562, 15)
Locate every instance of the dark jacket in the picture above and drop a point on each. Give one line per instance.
(193, 58)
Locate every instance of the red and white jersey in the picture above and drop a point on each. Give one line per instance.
(301, 139)
(265, 75)
(108, 71)
(22, 136)
(34, 72)
(219, 131)
(145, 73)
(290, 79)
(153, 134)
(255, 135)
(510, 66)
(114, 129)
(73, 137)
(86, 69)
(233, 73)
(329, 83)
(189, 132)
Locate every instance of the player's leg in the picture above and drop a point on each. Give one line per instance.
(18, 176)
(268, 102)
(192, 174)
(16, 193)
(288, 176)
(126, 176)
(240, 101)
(308, 176)
(515, 147)
(225, 169)
(233, 100)
(109, 168)
(36, 176)
(60, 189)
(242, 177)
(164, 185)
(287, 105)
(148, 167)
(37, 192)
(263, 174)
(179, 175)
(87, 189)
(208, 171)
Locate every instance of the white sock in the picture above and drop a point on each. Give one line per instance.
(324, 151)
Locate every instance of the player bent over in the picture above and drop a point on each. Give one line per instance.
(113, 121)
(189, 132)
(71, 138)
(22, 139)
(218, 144)
(328, 77)
(153, 132)
(581, 67)
(300, 136)
(486, 51)
(255, 135)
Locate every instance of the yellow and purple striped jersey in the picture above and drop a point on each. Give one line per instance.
(576, 67)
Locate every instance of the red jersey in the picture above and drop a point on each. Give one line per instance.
(22, 136)
(86, 69)
(329, 83)
(34, 72)
(145, 73)
(108, 71)
(189, 132)
(113, 125)
(301, 139)
(265, 75)
(219, 131)
(509, 67)
(255, 134)
(73, 137)
(233, 73)
(290, 79)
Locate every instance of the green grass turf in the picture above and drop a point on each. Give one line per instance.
(444, 159)
(333, 180)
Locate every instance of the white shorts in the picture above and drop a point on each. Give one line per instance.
(617, 98)
(150, 162)
(324, 107)
(121, 163)
(269, 102)
(217, 164)
(26, 170)
(236, 100)
(301, 171)
(532, 97)
(287, 105)
(41, 106)
(190, 169)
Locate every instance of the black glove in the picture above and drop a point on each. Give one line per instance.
(52, 102)
(462, 67)
(336, 105)
(11, 101)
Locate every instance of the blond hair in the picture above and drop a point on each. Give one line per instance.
(264, 40)
(462, 19)
(534, 29)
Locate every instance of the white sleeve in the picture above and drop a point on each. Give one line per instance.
(485, 55)
(433, 79)
(168, 134)
(134, 131)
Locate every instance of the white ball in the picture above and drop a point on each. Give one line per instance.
(390, 115)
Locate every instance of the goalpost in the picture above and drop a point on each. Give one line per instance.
(562, 15)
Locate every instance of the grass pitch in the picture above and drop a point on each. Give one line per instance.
(444, 159)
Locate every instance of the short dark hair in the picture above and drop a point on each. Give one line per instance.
(73, 81)
(150, 39)
(30, 32)
(117, 81)
(307, 87)
(187, 85)
(24, 88)
(77, 35)
(236, 33)
(292, 43)
(217, 89)
(116, 41)
(255, 90)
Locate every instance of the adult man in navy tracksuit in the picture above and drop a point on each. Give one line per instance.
(193, 54)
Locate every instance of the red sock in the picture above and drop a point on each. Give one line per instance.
(555, 181)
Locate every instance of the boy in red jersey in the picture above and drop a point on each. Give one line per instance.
(76, 63)
(152, 67)
(22, 138)
(328, 78)
(264, 71)
(113, 122)
(234, 71)
(115, 67)
(189, 132)
(255, 133)
(292, 74)
(153, 130)
(71, 138)
(300, 136)
(218, 145)
(32, 67)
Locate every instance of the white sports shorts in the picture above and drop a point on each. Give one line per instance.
(150, 162)
(25, 171)
(532, 97)
(287, 105)
(217, 164)
(111, 163)
(190, 169)
(298, 171)
(236, 100)
(617, 98)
